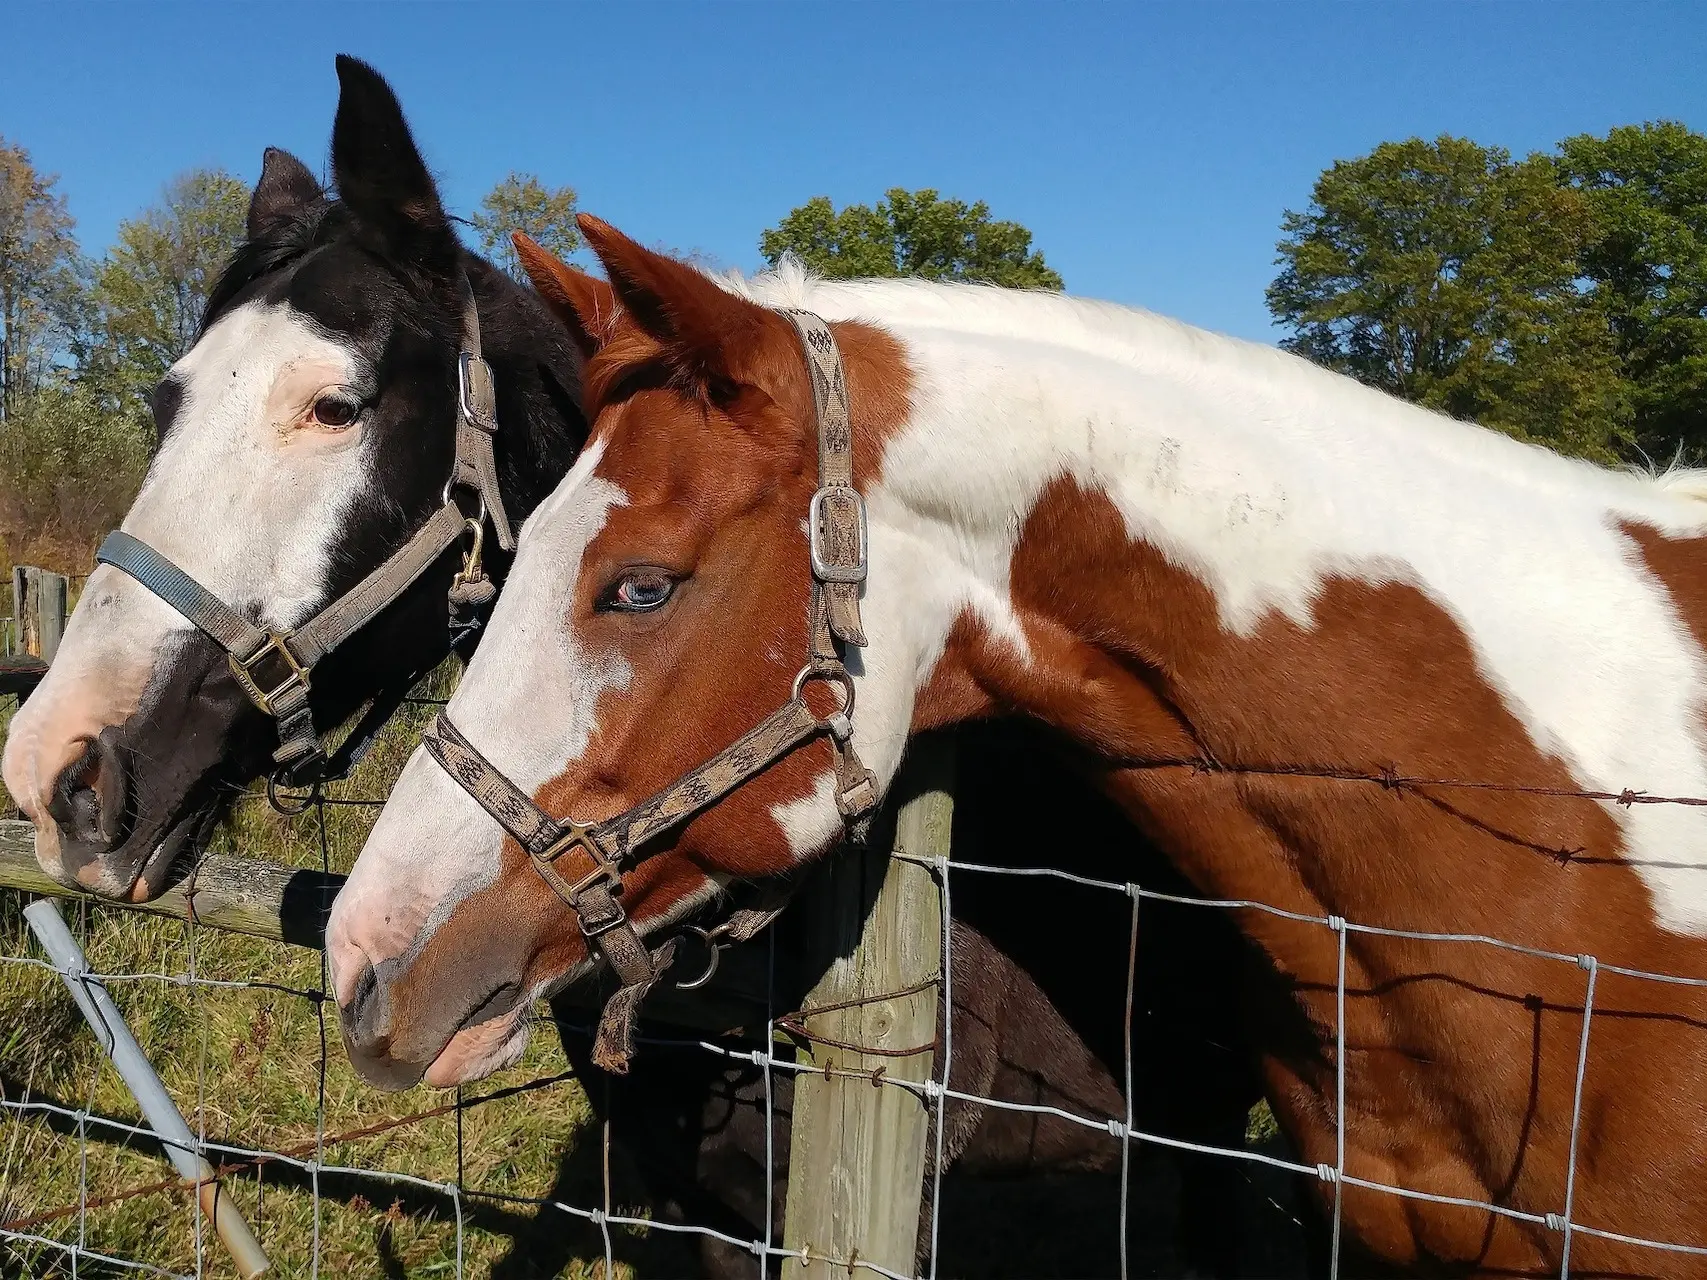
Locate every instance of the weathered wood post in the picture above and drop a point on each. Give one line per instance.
(38, 608)
(857, 1152)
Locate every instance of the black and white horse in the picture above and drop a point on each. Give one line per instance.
(305, 437)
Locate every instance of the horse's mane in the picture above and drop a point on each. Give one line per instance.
(287, 240)
(1683, 482)
(1105, 328)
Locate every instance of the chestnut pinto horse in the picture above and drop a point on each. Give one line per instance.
(1235, 584)
(305, 437)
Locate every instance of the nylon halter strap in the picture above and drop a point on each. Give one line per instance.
(837, 535)
(273, 667)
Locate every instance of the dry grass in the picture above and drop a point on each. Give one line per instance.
(245, 1065)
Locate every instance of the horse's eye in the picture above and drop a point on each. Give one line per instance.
(638, 591)
(335, 411)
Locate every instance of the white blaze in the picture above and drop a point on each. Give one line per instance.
(246, 506)
(527, 703)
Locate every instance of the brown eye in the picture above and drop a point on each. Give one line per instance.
(639, 591)
(334, 412)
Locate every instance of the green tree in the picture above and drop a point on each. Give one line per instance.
(521, 202)
(69, 467)
(1647, 186)
(152, 288)
(39, 277)
(910, 233)
(1448, 274)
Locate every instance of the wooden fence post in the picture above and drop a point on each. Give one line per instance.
(38, 609)
(857, 1152)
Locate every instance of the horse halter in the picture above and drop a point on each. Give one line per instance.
(273, 667)
(837, 533)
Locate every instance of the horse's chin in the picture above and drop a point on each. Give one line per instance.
(481, 1050)
(171, 853)
(175, 850)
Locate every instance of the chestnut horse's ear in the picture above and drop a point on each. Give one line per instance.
(586, 305)
(707, 331)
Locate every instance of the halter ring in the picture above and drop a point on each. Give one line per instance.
(715, 953)
(831, 673)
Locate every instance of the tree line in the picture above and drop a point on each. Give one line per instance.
(1561, 298)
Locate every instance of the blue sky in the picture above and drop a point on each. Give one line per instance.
(1151, 148)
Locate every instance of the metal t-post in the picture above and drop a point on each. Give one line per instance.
(157, 1106)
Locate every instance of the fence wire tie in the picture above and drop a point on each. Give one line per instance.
(1327, 1173)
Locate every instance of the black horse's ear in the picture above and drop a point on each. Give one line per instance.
(379, 171)
(285, 192)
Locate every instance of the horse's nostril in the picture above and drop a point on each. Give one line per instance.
(76, 804)
(83, 820)
(89, 796)
(366, 1017)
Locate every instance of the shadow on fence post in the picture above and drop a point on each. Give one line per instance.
(857, 1159)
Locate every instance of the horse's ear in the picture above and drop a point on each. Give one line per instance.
(706, 330)
(586, 305)
(379, 171)
(285, 192)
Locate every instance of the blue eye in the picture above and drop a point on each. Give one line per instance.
(639, 591)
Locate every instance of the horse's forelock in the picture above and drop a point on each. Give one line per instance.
(284, 242)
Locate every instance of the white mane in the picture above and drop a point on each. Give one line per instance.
(1142, 339)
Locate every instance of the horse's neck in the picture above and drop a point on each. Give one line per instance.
(1254, 641)
(1190, 553)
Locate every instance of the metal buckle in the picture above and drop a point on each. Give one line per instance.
(823, 567)
(244, 669)
(830, 673)
(487, 422)
(605, 870)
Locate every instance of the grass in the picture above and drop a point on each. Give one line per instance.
(259, 1067)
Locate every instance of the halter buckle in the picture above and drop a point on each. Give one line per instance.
(840, 502)
(474, 391)
(294, 674)
(605, 871)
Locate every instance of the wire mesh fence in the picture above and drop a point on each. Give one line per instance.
(335, 1177)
